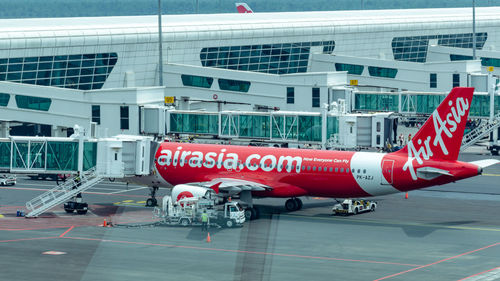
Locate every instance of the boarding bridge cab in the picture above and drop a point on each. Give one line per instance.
(124, 156)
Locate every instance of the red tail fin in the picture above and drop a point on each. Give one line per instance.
(441, 135)
(243, 8)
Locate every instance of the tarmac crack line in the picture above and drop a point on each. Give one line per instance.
(437, 262)
(240, 251)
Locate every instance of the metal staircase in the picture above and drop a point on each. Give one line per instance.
(480, 132)
(62, 193)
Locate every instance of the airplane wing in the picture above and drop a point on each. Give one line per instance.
(485, 163)
(235, 186)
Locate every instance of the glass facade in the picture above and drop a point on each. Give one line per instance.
(315, 97)
(350, 68)
(280, 58)
(382, 71)
(96, 114)
(89, 155)
(369, 102)
(62, 156)
(309, 128)
(433, 80)
(490, 62)
(284, 127)
(124, 118)
(5, 154)
(254, 126)
(83, 71)
(290, 95)
(454, 57)
(414, 48)
(34, 103)
(4, 99)
(332, 126)
(194, 123)
(197, 81)
(234, 85)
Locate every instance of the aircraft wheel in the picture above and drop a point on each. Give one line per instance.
(184, 222)
(291, 205)
(356, 211)
(251, 214)
(373, 208)
(299, 203)
(151, 202)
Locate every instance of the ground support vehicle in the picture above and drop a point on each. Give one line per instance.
(7, 180)
(77, 205)
(354, 207)
(494, 147)
(187, 211)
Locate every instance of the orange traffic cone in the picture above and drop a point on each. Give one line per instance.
(104, 223)
(406, 195)
(208, 238)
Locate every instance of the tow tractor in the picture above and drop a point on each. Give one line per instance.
(187, 211)
(354, 207)
(7, 180)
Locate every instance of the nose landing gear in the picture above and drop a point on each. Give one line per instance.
(152, 202)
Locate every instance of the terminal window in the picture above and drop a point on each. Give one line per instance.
(81, 71)
(315, 97)
(433, 80)
(456, 80)
(282, 58)
(96, 114)
(124, 118)
(4, 99)
(414, 48)
(290, 95)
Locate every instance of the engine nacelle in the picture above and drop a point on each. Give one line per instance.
(184, 191)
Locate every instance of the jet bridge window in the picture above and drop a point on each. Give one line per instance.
(34, 103)
(4, 99)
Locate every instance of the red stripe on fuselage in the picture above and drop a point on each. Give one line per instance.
(322, 173)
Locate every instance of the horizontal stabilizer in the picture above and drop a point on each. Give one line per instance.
(485, 163)
(429, 173)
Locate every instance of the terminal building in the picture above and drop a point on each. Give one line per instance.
(103, 73)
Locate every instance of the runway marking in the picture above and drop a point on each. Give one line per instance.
(130, 203)
(27, 239)
(398, 223)
(238, 251)
(54, 253)
(66, 232)
(485, 275)
(128, 190)
(1, 216)
(437, 262)
(85, 192)
(491, 175)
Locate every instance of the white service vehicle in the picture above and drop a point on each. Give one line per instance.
(187, 211)
(354, 207)
(7, 180)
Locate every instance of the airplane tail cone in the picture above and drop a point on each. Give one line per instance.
(208, 238)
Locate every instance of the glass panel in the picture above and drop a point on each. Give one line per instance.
(234, 85)
(124, 122)
(315, 97)
(459, 57)
(62, 156)
(35, 103)
(96, 114)
(350, 68)
(309, 128)
(4, 99)
(4, 154)
(37, 155)
(333, 126)
(490, 62)
(20, 155)
(89, 155)
(254, 126)
(197, 81)
(290, 95)
(382, 71)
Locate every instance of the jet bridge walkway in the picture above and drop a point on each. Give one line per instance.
(480, 132)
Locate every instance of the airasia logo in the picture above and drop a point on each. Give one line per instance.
(446, 126)
(184, 194)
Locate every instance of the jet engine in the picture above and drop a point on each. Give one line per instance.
(185, 190)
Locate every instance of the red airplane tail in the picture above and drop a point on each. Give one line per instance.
(441, 135)
(243, 8)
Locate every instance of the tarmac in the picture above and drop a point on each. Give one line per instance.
(449, 232)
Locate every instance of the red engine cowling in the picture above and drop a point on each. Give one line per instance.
(185, 191)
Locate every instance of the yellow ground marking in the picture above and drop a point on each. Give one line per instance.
(399, 223)
(141, 202)
(130, 203)
(1, 216)
(491, 175)
(127, 201)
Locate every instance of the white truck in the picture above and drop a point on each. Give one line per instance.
(354, 207)
(7, 180)
(187, 211)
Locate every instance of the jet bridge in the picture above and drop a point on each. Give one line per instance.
(95, 159)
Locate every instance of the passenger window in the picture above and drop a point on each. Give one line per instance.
(364, 171)
(331, 169)
(336, 170)
(341, 170)
(314, 168)
(347, 170)
(303, 168)
(308, 168)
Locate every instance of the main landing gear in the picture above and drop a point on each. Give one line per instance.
(293, 204)
(152, 202)
(252, 213)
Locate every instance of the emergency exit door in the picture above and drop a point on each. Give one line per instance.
(387, 171)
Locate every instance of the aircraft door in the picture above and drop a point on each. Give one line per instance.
(387, 171)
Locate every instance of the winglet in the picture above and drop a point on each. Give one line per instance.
(243, 8)
(215, 187)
